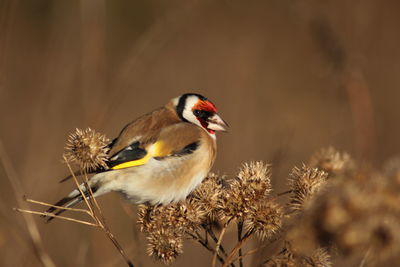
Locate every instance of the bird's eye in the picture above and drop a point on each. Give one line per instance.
(203, 114)
(197, 112)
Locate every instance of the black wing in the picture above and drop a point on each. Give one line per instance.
(129, 153)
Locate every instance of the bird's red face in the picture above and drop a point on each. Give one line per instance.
(197, 109)
(206, 113)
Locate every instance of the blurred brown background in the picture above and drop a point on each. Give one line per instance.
(289, 76)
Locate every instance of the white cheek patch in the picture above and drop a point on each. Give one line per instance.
(188, 113)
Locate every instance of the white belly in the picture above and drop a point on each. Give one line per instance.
(157, 182)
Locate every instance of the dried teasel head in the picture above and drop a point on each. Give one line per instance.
(87, 148)
(182, 217)
(332, 161)
(288, 258)
(283, 259)
(165, 245)
(206, 196)
(304, 182)
(165, 227)
(355, 214)
(264, 219)
(255, 178)
(319, 258)
(251, 185)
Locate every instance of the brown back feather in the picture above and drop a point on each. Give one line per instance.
(146, 128)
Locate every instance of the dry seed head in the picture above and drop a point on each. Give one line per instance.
(182, 217)
(256, 178)
(145, 219)
(332, 161)
(287, 258)
(320, 258)
(251, 185)
(264, 219)
(87, 148)
(357, 213)
(283, 259)
(206, 196)
(304, 182)
(232, 204)
(165, 245)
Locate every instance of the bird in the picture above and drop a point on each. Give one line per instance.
(160, 157)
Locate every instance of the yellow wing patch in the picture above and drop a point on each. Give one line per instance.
(155, 150)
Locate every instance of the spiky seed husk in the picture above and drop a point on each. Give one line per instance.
(304, 182)
(355, 214)
(287, 258)
(332, 161)
(206, 196)
(165, 245)
(251, 185)
(182, 216)
(264, 219)
(87, 148)
(320, 258)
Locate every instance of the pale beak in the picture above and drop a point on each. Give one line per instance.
(216, 123)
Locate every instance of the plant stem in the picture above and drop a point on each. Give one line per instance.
(221, 236)
(239, 237)
(56, 216)
(240, 244)
(204, 244)
(209, 230)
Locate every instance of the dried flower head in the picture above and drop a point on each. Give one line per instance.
(206, 196)
(251, 185)
(182, 217)
(283, 259)
(304, 182)
(332, 161)
(87, 148)
(357, 214)
(319, 258)
(288, 258)
(264, 219)
(165, 245)
(256, 178)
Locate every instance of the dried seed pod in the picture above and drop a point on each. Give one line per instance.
(287, 258)
(255, 178)
(252, 185)
(182, 217)
(206, 196)
(165, 245)
(264, 219)
(332, 161)
(356, 214)
(87, 148)
(319, 258)
(304, 182)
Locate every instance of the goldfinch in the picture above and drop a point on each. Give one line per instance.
(160, 157)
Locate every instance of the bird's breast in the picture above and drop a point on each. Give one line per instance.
(170, 179)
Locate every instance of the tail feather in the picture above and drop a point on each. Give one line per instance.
(66, 202)
(60, 203)
(71, 200)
